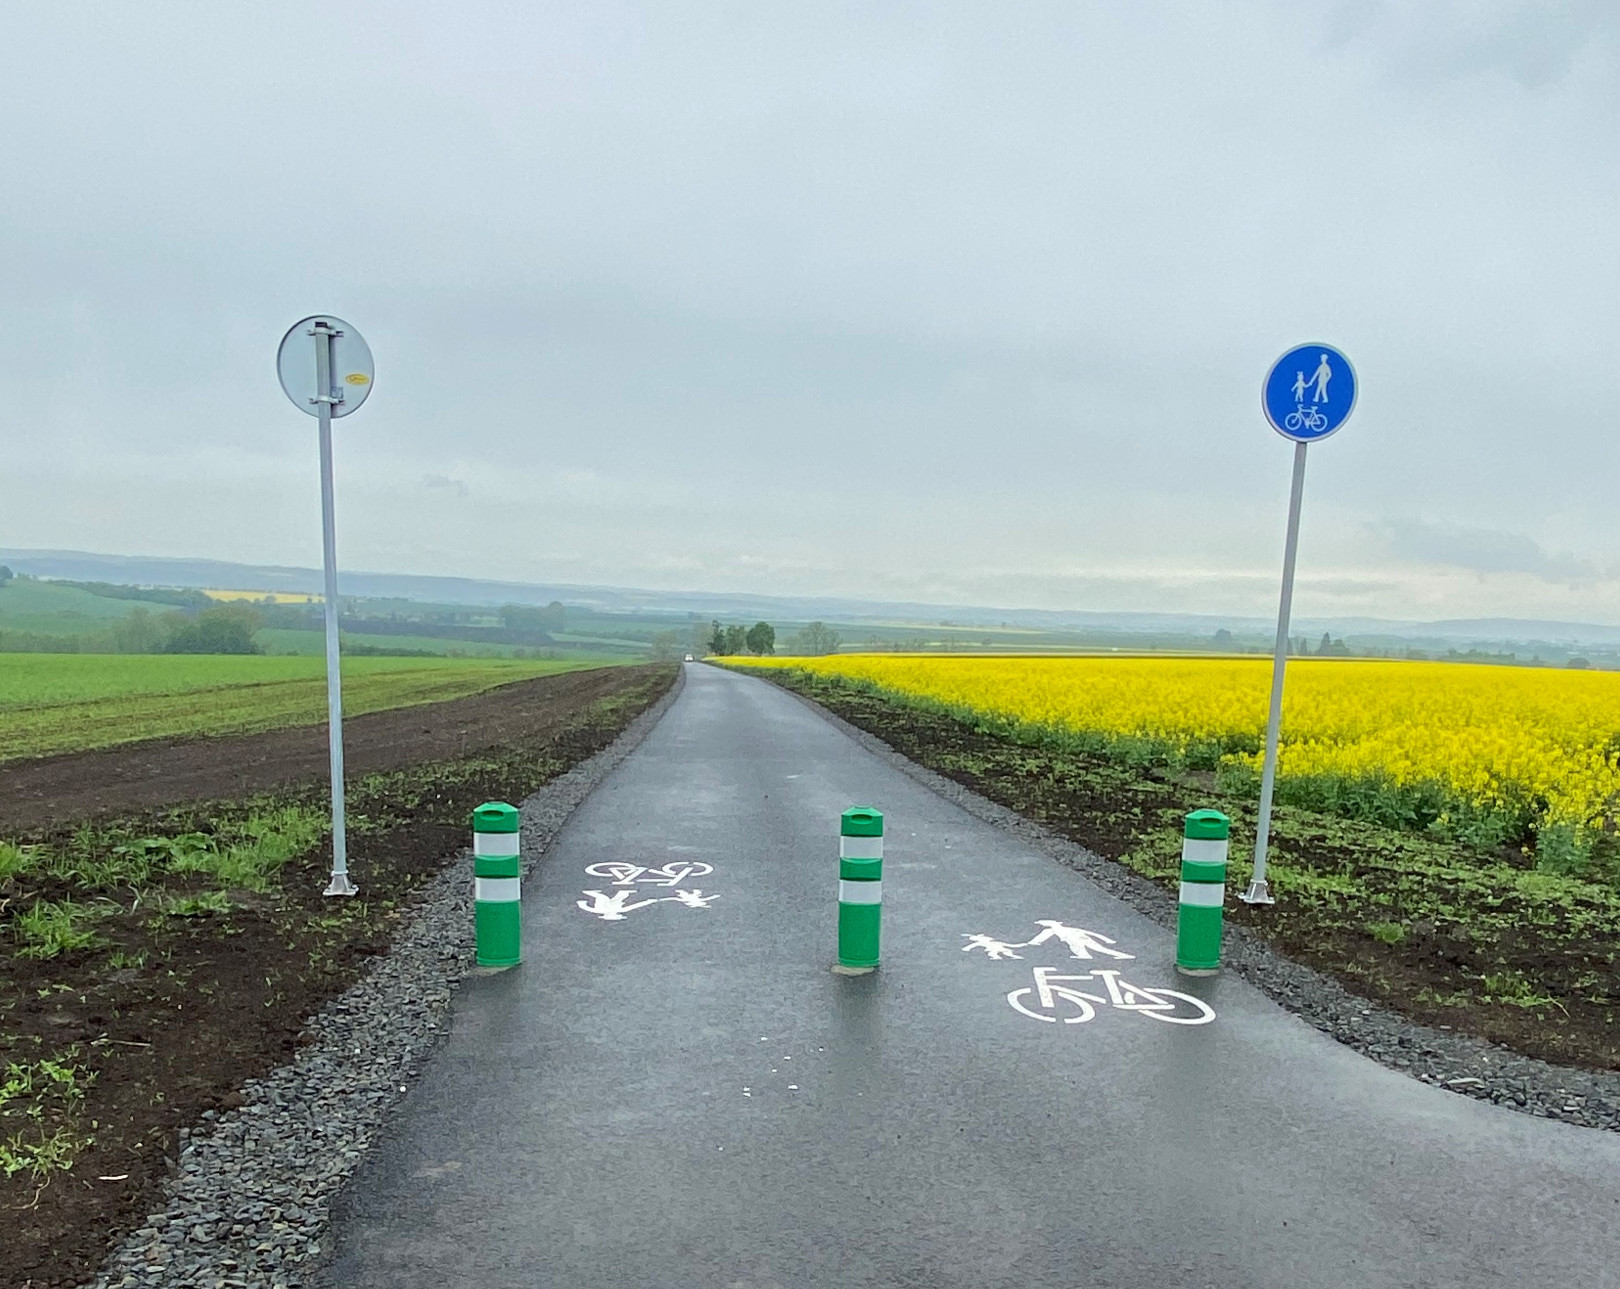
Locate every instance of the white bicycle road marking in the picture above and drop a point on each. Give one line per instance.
(1050, 989)
(671, 874)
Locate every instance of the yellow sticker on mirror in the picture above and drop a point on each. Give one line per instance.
(357, 378)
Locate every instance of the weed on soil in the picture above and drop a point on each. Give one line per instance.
(154, 962)
(1474, 939)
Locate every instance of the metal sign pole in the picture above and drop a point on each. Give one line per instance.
(343, 375)
(325, 397)
(1259, 892)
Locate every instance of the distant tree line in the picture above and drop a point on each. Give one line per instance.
(731, 641)
(523, 617)
(176, 596)
(813, 640)
(223, 628)
(1328, 648)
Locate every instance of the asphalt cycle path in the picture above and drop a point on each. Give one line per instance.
(675, 1090)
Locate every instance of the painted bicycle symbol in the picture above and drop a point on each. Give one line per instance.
(1054, 994)
(1305, 418)
(1055, 997)
(671, 874)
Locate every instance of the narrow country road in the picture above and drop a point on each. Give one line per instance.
(685, 1095)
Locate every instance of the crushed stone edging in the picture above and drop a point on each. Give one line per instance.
(1461, 1063)
(250, 1201)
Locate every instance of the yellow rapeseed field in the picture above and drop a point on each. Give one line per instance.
(1508, 740)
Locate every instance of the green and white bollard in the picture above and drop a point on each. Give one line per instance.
(497, 918)
(860, 889)
(1203, 890)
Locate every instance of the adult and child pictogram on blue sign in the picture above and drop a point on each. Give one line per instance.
(1309, 393)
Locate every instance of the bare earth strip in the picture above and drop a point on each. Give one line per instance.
(88, 785)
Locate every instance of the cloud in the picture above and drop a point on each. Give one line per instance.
(444, 483)
(1534, 45)
(1482, 550)
(910, 297)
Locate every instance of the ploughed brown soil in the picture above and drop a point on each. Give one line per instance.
(145, 776)
(216, 1000)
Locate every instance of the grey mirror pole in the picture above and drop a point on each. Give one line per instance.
(325, 396)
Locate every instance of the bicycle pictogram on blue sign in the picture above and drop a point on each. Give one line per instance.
(1309, 392)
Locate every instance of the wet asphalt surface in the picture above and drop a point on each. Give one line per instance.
(688, 1096)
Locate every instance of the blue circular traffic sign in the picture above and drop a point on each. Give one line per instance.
(1309, 392)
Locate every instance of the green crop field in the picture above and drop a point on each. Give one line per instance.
(283, 640)
(51, 703)
(49, 609)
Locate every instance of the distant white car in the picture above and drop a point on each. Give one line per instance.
(688, 657)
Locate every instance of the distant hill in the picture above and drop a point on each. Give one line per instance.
(195, 573)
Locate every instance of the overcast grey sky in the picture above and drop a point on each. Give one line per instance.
(945, 301)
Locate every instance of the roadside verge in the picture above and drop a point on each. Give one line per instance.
(968, 768)
(155, 962)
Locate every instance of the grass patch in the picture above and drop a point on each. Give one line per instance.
(1387, 932)
(1513, 989)
(196, 906)
(255, 849)
(48, 928)
(13, 859)
(39, 1108)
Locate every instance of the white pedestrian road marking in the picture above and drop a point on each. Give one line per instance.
(994, 949)
(1081, 943)
(630, 879)
(611, 908)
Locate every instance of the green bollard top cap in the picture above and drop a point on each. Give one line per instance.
(861, 821)
(1208, 825)
(495, 816)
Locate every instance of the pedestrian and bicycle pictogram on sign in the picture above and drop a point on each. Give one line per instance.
(616, 905)
(1309, 392)
(1074, 998)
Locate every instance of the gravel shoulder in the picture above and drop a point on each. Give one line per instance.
(250, 1200)
(1461, 1063)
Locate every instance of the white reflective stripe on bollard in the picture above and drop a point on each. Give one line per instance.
(860, 848)
(496, 890)
(1203, 850)
(496, 845)
(860, 892)
(1203, 895)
